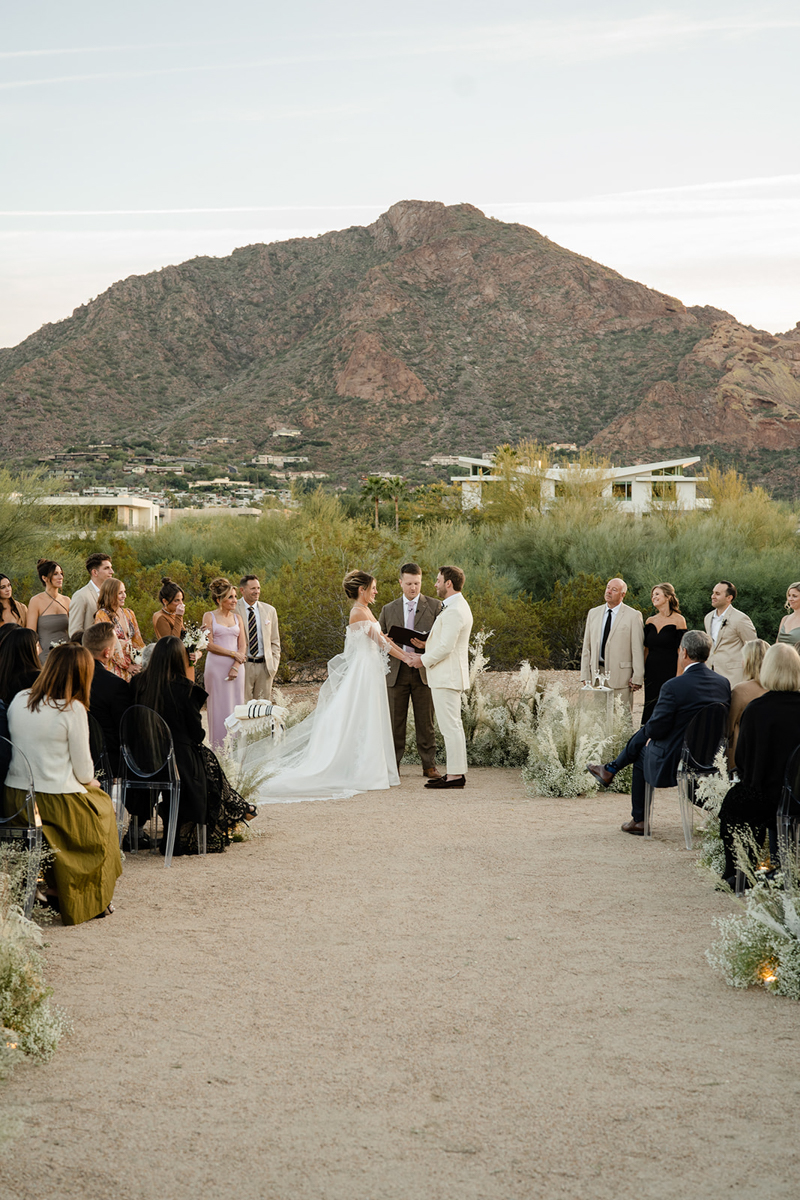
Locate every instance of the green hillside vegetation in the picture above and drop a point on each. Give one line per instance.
(530, 577)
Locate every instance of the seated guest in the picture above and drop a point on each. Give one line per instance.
(658, 744)
(19, 662)
(11, 611)
(111, 608)
(111, 697)
(168, 621)
(49, 724)
(48, 611)
(789, 628)
(206, 797)
(742, 693)
(769, 733)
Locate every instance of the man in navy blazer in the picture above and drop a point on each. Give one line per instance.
(655, 749)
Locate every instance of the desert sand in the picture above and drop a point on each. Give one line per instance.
(411, 995)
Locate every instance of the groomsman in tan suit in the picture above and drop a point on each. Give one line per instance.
(412, 610)
(728, 629)
(83, 606)
(613, 643)
(263, 640)
(446, 661)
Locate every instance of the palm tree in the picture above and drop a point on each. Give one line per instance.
(396, 488)
(375, 489)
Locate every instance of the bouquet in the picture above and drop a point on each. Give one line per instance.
(194, 638)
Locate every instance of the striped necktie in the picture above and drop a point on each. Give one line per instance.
(252, 633)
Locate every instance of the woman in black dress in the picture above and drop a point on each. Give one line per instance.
(769, 733)
(206, 796)
(662, 637)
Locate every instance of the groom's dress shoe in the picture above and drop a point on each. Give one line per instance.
(432, 773)
(600, 773)
(443, 782)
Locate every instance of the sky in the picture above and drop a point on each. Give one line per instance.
(658, 139)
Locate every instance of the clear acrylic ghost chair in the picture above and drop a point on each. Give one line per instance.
(24, 828)
(147, 763)
(789, 819)
(705, 736)
(104, 772)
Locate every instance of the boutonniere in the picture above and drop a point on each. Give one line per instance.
(722, 626)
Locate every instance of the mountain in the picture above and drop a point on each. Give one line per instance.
(433, 330)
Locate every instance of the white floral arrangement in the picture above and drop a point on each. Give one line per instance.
(760, 947)
(194, 638)
(710, 791)
(565, 739)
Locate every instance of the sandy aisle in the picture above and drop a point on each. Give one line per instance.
(411, 996)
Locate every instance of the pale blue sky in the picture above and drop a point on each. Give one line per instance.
(660, 140)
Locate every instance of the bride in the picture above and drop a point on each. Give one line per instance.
(345, 746)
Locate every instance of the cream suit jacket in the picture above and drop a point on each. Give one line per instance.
(268, 619)
(446, 654)
(726, 657)
(624, 657)
(82, 609)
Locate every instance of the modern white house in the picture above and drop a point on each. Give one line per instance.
(642, 488)
(133, 512)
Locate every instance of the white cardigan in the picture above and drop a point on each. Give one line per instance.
(55, 741)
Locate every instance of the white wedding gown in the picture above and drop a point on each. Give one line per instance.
(345, 746)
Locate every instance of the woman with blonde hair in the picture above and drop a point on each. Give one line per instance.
(346, 746)
(742, 693)
(769, 732)
(227, 652)
(662, 637)
(49, 724)
(789, 628)
(48, 611)
(111, 608)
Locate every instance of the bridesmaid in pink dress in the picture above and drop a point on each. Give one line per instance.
(224, 673)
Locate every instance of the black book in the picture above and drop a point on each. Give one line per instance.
(402, 637)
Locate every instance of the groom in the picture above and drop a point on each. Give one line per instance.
(446, 661)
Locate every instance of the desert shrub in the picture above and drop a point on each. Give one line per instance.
(29, 1025)
(563, 617)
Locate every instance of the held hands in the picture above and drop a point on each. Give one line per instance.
(413, 660)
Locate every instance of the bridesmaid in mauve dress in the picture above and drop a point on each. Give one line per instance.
(224, 673)
(662, 637)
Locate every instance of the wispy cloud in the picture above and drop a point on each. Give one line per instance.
(163, 212)
(567, 41)
(54, 51)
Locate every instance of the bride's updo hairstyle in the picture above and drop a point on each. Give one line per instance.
(219, 589)
(354, 581)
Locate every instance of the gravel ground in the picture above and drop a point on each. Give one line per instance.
(411, 996)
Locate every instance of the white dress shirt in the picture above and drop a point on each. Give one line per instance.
(254, 609)
(717, 622)
(604, 618)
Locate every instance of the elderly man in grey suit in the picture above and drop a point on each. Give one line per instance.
(263, 640)
(728, 629)
(613, 643)
(83, 606)
(412, 610)
(446, 660)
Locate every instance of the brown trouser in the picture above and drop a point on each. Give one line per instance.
(409, 685)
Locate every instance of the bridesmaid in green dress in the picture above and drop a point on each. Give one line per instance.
(789, 630)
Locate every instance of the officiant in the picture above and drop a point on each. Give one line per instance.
(412, 610)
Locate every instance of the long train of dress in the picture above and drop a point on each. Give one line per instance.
(345, 746)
